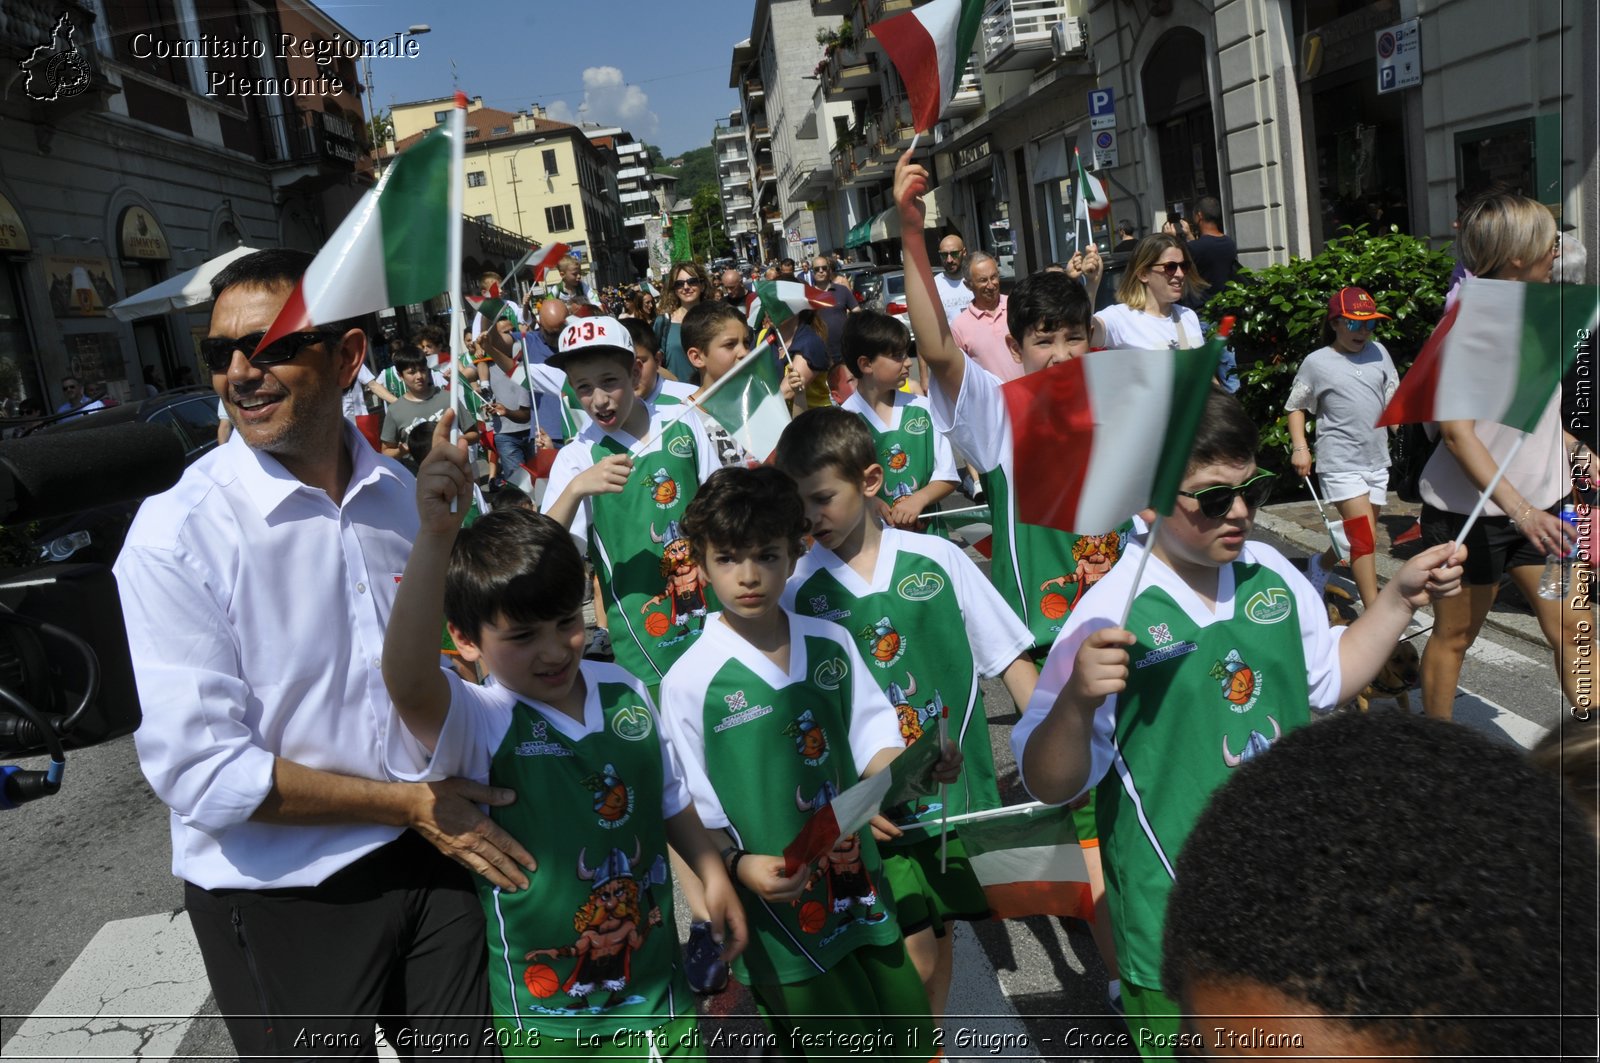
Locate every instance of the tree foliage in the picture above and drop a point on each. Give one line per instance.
(1279, 313)
(707, 219)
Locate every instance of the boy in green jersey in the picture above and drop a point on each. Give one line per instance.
(929, 627)
(586, 956)
(918, 469)
(1041, 572)
(1226, 648)
(772, 715)
(622, 486)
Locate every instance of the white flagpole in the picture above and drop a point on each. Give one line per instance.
(944, 793)
(973, 817)
(1138, 573)
(1342, 549)
(1483, 499)
(1081, 214)
(960, 512)
(458, 347)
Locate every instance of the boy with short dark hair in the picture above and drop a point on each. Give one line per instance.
(925, 617)
(1350, 926)
(1226, 647)
(420, 403)
(715, 339)
(918, 467)
(773, 714)
(626, 502)
(651, 386)
(589, 947)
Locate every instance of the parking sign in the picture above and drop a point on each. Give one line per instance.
(1102, 109)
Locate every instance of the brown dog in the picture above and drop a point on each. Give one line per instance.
(1399, 674)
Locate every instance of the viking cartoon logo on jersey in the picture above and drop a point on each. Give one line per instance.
(1094, 554)
(1254, 746)
(685, 590)
(904, 489)
(1240, 684)
(896, 457)
(613, 798)
(912, 718)
(884, 642)
(810, 740)
(663, 489)
(848, 882)
(612, 925)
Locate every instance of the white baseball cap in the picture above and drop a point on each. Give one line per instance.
(592, 335)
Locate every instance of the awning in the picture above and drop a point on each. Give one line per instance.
(886, 225)
(192, 288)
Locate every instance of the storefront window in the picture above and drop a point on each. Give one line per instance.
(20, 385)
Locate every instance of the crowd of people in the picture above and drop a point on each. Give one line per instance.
(341, 661)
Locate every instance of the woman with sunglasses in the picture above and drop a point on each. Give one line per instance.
(1345, 386)
(687, 284)
(1148, 314)
(1505, 236)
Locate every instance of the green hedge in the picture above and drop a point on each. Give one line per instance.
(1279, 313)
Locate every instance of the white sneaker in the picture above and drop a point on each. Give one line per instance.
(1317, 574)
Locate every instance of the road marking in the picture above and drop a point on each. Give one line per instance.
(980, 988)
(1504, 657)
(132, 991)
(1496, 721)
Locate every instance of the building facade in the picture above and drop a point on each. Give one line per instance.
(1281, 109)
(128, 158)
(540, 180)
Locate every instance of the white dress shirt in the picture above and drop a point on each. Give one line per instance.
(255, 610)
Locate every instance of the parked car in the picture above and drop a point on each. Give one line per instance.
(96, 533)
(892, 299)
(863, 279)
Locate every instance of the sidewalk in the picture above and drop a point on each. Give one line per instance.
(1299, 524)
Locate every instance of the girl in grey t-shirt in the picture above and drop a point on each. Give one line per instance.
(1346, 385)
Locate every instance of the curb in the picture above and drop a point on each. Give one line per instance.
(1516, 625)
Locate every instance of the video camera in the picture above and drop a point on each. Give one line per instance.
(65, 674)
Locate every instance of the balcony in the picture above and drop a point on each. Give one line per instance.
(969, 94)
(742, 154)
(635, 220)
(753, 88)
(725, 132)
(878, 10)
(736, 180)
(889, 131)
(734, 204)
(634, 197)
(764, 175)
(312, 150)
(1015, 34)
(848, 74)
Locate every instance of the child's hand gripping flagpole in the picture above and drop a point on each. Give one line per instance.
(458, 346)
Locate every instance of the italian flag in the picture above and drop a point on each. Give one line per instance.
(1498, 355)
(491, 306)
(908, 775)
(1098, 438)
(547, 261)
(748, 402)
(388, 251)
(781, 300)
(929, 47)
(1092, 199)
(1028, 860)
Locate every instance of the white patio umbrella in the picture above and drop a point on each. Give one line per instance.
(192, 288)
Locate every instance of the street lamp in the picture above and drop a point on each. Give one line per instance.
(416, 30)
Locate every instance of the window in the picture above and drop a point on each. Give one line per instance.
(477, 179)
(501, 130)
(472, 132)
(558, 219)
(440, 116)
(550, 167)
(487, 219)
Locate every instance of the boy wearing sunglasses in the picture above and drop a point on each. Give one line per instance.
(1226, 648)
(1346, 385)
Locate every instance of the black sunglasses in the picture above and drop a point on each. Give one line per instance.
(218, 350)
(1169, 268)
(1216, 501)
(687, 282)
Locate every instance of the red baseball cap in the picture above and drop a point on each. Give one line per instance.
(1354, 303)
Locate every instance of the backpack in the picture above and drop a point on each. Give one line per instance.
(1409, 450)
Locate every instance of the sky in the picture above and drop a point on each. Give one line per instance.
(657, 69)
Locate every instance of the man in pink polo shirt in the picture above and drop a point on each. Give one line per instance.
(980, 329)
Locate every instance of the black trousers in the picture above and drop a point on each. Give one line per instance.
(395, 939)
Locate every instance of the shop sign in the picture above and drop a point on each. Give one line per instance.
(13, 237)
(79, 286)
(139, 236)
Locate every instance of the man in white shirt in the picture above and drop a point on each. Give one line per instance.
(256, 592)
(950, 283)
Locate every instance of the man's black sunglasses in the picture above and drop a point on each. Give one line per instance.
(1216, 501)
(218, 350)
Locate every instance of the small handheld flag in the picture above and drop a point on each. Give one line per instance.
(929, 47)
